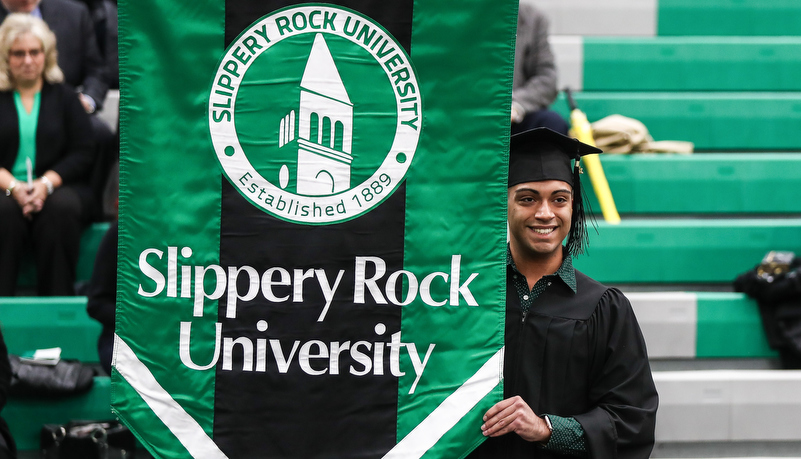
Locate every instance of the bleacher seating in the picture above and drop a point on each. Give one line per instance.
(725, 75)
(718, 76)
(730, 409)
(31, 323)
(700, 325)
(722, 184)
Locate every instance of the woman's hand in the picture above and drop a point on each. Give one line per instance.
(35, 198)
(19, 194)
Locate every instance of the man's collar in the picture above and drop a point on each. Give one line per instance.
(566, 272)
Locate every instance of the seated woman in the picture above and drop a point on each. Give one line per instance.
(46, 156)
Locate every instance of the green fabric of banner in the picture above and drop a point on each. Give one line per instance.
(169, 195)
(451, 292)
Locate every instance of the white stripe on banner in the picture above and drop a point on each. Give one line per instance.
(180, 423)
(450, 411)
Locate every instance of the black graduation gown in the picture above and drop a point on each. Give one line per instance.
(579, 355)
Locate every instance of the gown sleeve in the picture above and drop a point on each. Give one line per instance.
(622, 391)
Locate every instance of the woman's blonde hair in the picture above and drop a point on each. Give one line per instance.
(14, 26)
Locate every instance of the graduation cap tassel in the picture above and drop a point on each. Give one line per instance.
(578, 239)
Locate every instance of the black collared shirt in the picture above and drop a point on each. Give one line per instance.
(568, 435)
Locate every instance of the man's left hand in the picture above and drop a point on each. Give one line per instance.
(514, 415)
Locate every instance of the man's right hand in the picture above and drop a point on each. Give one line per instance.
(514, 415)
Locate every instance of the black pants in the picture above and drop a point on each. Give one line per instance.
(542, 118)
(55, 236)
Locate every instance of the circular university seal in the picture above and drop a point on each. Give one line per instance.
(315, 114)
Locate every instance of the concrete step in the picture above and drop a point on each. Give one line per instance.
(729, 406)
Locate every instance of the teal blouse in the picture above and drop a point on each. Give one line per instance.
(27, 137)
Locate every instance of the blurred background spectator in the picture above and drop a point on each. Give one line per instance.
(534, 88)
(42, 122)
(83, 64)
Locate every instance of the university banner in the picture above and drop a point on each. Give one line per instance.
(312, 225)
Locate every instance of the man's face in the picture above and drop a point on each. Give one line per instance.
(539, 217)
(20, 6)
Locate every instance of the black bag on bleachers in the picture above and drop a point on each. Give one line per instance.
(87, 440)
(776, 286)
(67, 377)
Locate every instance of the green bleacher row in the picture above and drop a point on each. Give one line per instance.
(723, 74)
(693, 238)
(713, 121)
(728, 17)
(692, 63)
(714, 183)
(684, 251)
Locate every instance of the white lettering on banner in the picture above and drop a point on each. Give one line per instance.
(372, 282)
(279, 285)
(313, 357)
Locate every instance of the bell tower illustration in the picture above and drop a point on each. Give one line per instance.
(325, 127)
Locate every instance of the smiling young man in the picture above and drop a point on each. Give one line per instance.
(576, 376)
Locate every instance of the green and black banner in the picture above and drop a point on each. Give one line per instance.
(312, 225)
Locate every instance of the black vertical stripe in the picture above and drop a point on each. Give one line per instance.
(289, 415)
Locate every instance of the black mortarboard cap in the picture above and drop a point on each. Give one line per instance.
(542, 154)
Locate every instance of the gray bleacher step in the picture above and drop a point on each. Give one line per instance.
(568, 52)
(111, 109)
(729, 406)
(715, 364)
(600, 17)
(728, 450)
